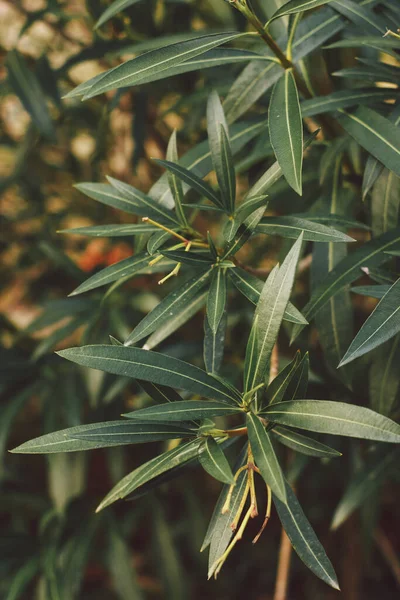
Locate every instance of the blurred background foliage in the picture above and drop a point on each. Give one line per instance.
(53, 546)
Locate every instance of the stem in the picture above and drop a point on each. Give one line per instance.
(282, 577)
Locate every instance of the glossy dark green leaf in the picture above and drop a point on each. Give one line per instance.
(157, 64)
(265, 457)
(214, 345)
(370, 254)
(381, 325)
(286, 129)
(216, 298)
(296, 6)
(343, 99)
(336, 418)
(159, 393)
(365, 19)
(213, 460)
(193, 181)
(291, 227)
(144, 205)
(375, 291)
(251, 287)
(151, 366)
(150, 470)
(175, 183)
(278, 386)
(124, 268)
(271, 308)
(193, 259)
(221, 152)
(303, 538)
(112, 230)
(374, 133)
(298, 384)
(303, 444)
(243, 233)
(169, 306)
(184, 410)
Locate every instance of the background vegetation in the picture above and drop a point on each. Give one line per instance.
(53, 545)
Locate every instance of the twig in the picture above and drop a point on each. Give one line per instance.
(282, 576)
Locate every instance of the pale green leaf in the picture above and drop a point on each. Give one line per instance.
(183, 410)
(303, 444)
(291, 227)
(213, 460)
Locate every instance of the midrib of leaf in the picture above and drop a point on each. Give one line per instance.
(318, 416)
(287, 81)
(164, 63)
(279, 433)
(374, 131)
(266, 458)
(216, 465)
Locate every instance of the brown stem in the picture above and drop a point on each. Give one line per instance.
(274, 363)
(282, 576)
(389, 553)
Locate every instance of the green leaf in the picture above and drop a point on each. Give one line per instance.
(291, 227)
(244, 232)
(384, 379)
(193, 181)
(375, 291)
(183, 410)
(298, 384)
(112, 230)
(107, 434)
(157, 64)
(343, 99)
(251, 287)
(151, 366)
(295, 6)
(193, 259)
(120, 564)
(286, 129)
(335, 418)
(303, 444)
(214, 345)
(169, 306)
(221, 152)
(213, 460)
(278, 386)
(157, 240)
(381, 325)
(123, 432)
(22, 578)
(145, 206)
(250, 363)
(265, 457)
(385, 202)
(124, 268)
(303, 538)
(216, 298)
(115, 7)
(378, 467)
(365, 19)
(108, 195)
(159, 393)
(150, 470)
(175, 183)
(333, 219)
(374, 133)
(370, 254)
(188, 311)
(27, 87)
(271, 308)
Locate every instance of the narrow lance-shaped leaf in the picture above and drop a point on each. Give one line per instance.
(116, 230)
(297, 386)
(381, 325)
(385, 202)
(296, 6)
(364, 18)
(216, 298)
(213, 460)
(214, 345)
(153, 367)
(384, 379)
(192, 180)
(250, 363)
(303, 538)
(150, 470)
(115, 7)
(157, 64)
(303, 444)
(374, 133)
(183, 410)
(343, 99)
(370, 254)
(221, 152)
(336, 418)
(110, 433)
(286, 129)
(271, 308)
(193, 259)
(170, 306)
(278, 386)
(175, 183)
(291, 227)
(265, 457)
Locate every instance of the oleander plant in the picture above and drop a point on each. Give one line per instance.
(201, 244)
